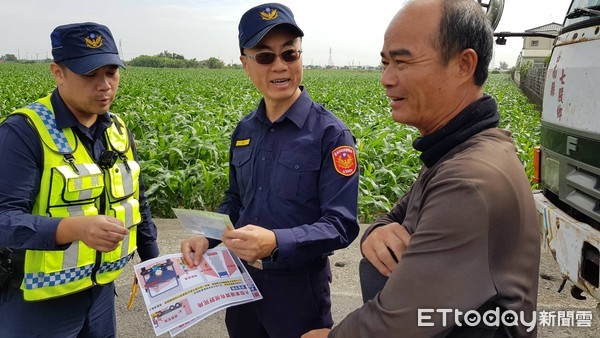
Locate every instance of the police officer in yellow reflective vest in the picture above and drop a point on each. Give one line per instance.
(72, 204)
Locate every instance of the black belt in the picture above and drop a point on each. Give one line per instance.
(268, 265)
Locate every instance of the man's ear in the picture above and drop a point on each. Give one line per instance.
(244, 61)
(58, 73)
(467, 63)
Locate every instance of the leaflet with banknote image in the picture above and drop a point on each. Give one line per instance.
(206, 223)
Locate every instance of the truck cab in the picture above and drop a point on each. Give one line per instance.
(568, 159)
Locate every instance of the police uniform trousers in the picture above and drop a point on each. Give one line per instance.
(88, 313)
(294, 301)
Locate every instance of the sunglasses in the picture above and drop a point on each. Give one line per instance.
(266, 58)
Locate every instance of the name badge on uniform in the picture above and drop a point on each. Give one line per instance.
(242, 143)
(344, 160)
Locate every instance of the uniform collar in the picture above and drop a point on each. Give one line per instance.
(65, 118)
(297, 113)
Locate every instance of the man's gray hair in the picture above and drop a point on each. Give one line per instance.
(464, 25)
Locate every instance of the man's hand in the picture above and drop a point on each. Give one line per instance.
(102, 233)
(318, 333)
(192, 249)
(250, 242)
(384, 247)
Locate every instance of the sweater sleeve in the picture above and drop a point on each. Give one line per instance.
(397, 214)
(436, 270)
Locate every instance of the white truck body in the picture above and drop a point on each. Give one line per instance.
(569, 201)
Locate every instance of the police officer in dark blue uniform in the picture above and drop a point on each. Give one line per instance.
(86, 71)
(293, 187)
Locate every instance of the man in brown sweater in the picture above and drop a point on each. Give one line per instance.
(459, 253)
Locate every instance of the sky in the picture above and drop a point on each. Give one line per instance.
(349, 32)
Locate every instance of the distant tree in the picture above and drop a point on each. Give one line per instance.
(547, 60)
(168, 55)
(163, 60)
(524, 69)
(145, 61)
(172, 60)
(503, 65)
(9, 58)
(213, 63)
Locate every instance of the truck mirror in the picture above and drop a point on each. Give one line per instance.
(493, 10)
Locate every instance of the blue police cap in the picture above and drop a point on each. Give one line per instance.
(84, 47)
(259, 20)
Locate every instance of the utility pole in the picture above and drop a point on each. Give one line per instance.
(330, 58)
(120, 49)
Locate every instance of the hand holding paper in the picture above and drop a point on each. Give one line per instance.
(250, 242)
(192, 249)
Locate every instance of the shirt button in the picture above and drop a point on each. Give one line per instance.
(272, 130)
(256, 219)
(297, 166)
(260, 188)
(263, 158)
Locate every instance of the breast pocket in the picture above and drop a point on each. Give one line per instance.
(240, 159)
(296, 175)
(74, 193)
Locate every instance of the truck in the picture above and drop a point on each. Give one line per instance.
(567, 161)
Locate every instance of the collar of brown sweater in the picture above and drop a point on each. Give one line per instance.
(476, 117)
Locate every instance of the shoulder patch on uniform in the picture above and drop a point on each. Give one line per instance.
(242, 143)
(344, 160)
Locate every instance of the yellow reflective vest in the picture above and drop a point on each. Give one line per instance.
(72, 184)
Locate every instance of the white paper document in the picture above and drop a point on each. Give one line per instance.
(178, 296)
(205, 223)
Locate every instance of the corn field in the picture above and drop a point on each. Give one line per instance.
(182, 120)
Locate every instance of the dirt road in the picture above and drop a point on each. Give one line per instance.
(346, 295)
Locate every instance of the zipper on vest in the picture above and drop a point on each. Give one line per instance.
(96, 266)
(101, 211)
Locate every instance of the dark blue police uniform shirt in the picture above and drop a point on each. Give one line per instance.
(21, 167)
(282, 177)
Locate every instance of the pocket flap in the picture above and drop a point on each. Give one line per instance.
(240, 156)
(300, 161)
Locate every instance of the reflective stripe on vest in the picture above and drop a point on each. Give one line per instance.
(73, 185)
(40, 280)
(106, 267)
